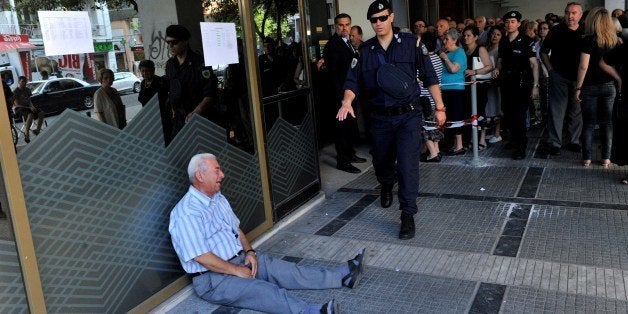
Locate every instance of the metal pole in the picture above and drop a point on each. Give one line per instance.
(475, 162)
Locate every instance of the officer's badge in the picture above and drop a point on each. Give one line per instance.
(354, 62)
(380, 6)
(424, 50)
(206, 74)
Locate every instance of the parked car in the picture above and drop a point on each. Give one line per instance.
(57, 94)
(126, 82)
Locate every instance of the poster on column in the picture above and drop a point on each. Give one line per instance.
(66, 32)
(220, 45)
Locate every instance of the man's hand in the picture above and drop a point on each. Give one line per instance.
(242, 271)
(344, 110)
(441, 117)
(251, 261)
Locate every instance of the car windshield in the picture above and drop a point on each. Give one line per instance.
(35, 87)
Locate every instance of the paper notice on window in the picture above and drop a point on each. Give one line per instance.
(220, 45)
(66, 32)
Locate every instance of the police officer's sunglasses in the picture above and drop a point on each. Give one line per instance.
(381, 18)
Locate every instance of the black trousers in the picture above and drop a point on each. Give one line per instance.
(345, 136)
(515, 101)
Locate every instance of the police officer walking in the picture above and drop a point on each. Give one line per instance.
(518, 69)
(386, 71)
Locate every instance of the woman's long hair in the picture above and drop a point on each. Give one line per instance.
(600, 24)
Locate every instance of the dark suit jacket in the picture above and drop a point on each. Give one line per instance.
(338, 56)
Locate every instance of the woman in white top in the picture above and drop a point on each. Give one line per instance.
(107, 102)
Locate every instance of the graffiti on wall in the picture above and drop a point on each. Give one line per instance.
(158, 48)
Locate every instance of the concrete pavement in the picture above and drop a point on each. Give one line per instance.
(538, 235)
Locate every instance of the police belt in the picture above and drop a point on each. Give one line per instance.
(241, 252)
(397, 110)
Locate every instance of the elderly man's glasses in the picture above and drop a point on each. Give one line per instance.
(381, 18)
(173, 42)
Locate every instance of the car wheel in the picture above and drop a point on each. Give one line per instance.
(88, 102)
(136, 87)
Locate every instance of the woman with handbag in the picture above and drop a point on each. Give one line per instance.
(594, 87)
(479, 65)
(452, 85)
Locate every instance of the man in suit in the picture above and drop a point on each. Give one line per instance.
(338, 54)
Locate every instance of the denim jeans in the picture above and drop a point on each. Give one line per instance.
(597, 108)
(563, 109)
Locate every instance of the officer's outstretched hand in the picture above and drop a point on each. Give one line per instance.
(441, 117)
(344, 110)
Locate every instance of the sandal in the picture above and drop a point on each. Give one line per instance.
(624, 181)
(481, 147)
(606, 163)
(587, 163)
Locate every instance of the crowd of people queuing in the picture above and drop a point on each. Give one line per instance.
(554, 72)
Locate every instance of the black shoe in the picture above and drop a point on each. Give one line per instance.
(2, 215)
(358, 160)
(386, 196)
(331, 307)
(456, 152)
(407, 227)
(348, 168)
(554, 151)
(356, 270)
(436, 158)
(36, 132)
(424, 156)
(27, 140)
(574, 147)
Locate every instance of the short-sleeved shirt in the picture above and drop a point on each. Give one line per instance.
(201, 224)
(564, 43)
(23, 97)
(404, 54)
(595, 75)
(189, 82)
(455, 81)
(515, 56)
(618, 56)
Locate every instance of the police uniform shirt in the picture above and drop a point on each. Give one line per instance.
(403, 53)
(190, 82)
(515, 57)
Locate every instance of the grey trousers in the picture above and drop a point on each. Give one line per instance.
(266, 293)
(563, 108)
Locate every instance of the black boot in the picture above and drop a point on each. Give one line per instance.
(407, 227)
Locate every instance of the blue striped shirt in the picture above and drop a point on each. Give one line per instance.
(200, 224)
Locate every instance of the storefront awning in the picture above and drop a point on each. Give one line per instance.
(12, 46)
(13, 42)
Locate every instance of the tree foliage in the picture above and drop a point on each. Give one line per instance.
(270, 15)
(70, 5)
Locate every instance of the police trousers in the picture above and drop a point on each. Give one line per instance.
(267, 292)
(396, 152)
(515, 100)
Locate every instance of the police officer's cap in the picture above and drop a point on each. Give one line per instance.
(376, 7)
(178, 32)
(511, 15)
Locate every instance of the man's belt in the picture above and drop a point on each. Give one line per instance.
(241, 252)
(397, 110)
